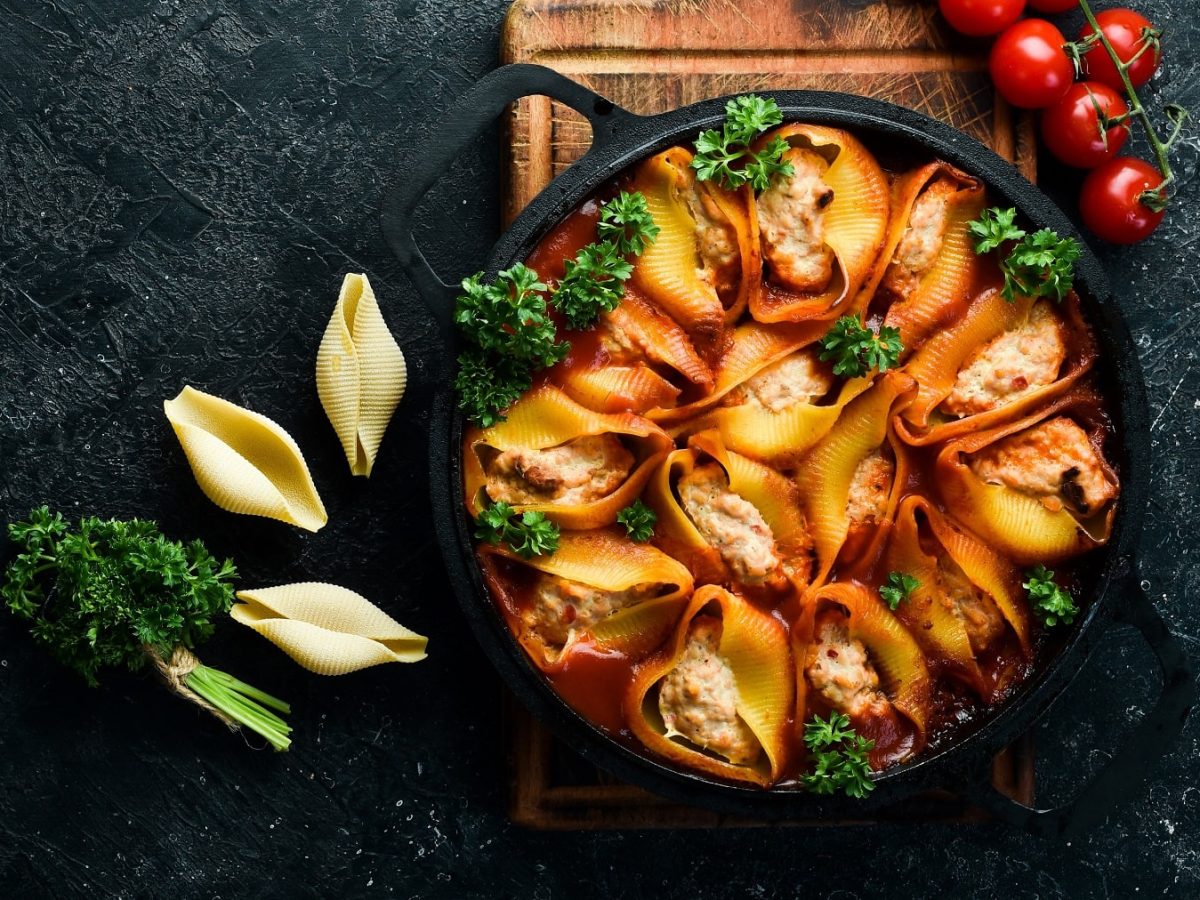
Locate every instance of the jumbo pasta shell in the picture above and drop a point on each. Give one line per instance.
(327, 629)
(659, 337)
(940, 294)
(936, 365)
(548, 417)
(755, 647)
(617, 389)
(855, 224)
(607, 561)
(1016, 523)
(361, 373)
(244, 462)
(825, 475)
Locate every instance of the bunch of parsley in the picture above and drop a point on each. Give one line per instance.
(839, 757)
(116, 594)
(1052, 603)
(855, 349)
(528, 534)
(726, 156)
(639, 521)
(1041, 264)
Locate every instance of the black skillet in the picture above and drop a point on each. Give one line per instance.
(1112, 589)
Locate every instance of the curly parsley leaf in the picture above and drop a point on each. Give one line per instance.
(98, 595)
(1041, 264)
(639, 520)
(839, 757)
(725, 155)
(899, 586)
(509, 317)
(1052, 603)
(626, 221)
(487, 384)
(592, 283)
(856, 349)
(527, 534)
(994, 227)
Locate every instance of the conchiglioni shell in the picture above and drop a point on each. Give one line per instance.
(735, 207)
(824, 476)
(361, 373)
(547, 417)
(669, 271)
(327, 629)
(755, 645)
(1017, 524)
(855, 226)
(617, 389)
(608, 561)
(243, 461)
(903, 673)
(770, 492)
(659, 336)
(925, 613)
(942, 293)
(751, 348)
(936, 364)
(987, 569)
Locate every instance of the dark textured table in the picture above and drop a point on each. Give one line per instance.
(182, 186)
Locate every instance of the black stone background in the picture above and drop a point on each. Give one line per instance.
(182, 187)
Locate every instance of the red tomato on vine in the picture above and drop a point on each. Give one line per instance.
(1132, 37)
(1113, 202)
(1078, 128)
(1029, 65)
(981, 17)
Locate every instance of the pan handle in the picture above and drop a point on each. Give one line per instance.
(473, 112)
(1122, 776)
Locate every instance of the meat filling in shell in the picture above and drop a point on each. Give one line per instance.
(729, 523)
(791, 221)
(1010, 365)
(579, 471)
(840, 670)
(922, 239)
(1053, 461)
(976, 610)
(716, 240)
(869, 489)
(562, 606)
(794, 380)
(698, 698)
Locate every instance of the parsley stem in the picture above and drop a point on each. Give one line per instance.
(241, 702)
(1135, 104)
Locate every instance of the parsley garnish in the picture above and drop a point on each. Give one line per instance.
(113, 593)
(626, 221)
(528, 534)
(511, 327)
(1052, 603)
(593, 282)
(1041, 264)
(716, 151)
(856, 349)
(898, 587)
(638, 520)
(839, 757)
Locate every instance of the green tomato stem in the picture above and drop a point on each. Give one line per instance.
(1135, 104)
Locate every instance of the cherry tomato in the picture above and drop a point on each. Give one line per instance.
(981, 17)
(1071, 127)
(1110, 204)
(1030, 66)
(1125, 30)
(1054, 6)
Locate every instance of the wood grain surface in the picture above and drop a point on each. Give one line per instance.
(653, 55)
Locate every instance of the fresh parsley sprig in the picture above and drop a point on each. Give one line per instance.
(626, 221)
(527, 534)
(594, 281)
(1041, 264)
(856, 349)
(1052, 603)
(899, 586)
(726, 156)
(839, 757)
(509, 317)
(639, 520)
(115, 593)
(487, 383)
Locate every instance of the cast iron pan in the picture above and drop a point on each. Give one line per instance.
(620, 138)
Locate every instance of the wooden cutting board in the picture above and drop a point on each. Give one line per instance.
(653, 55)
